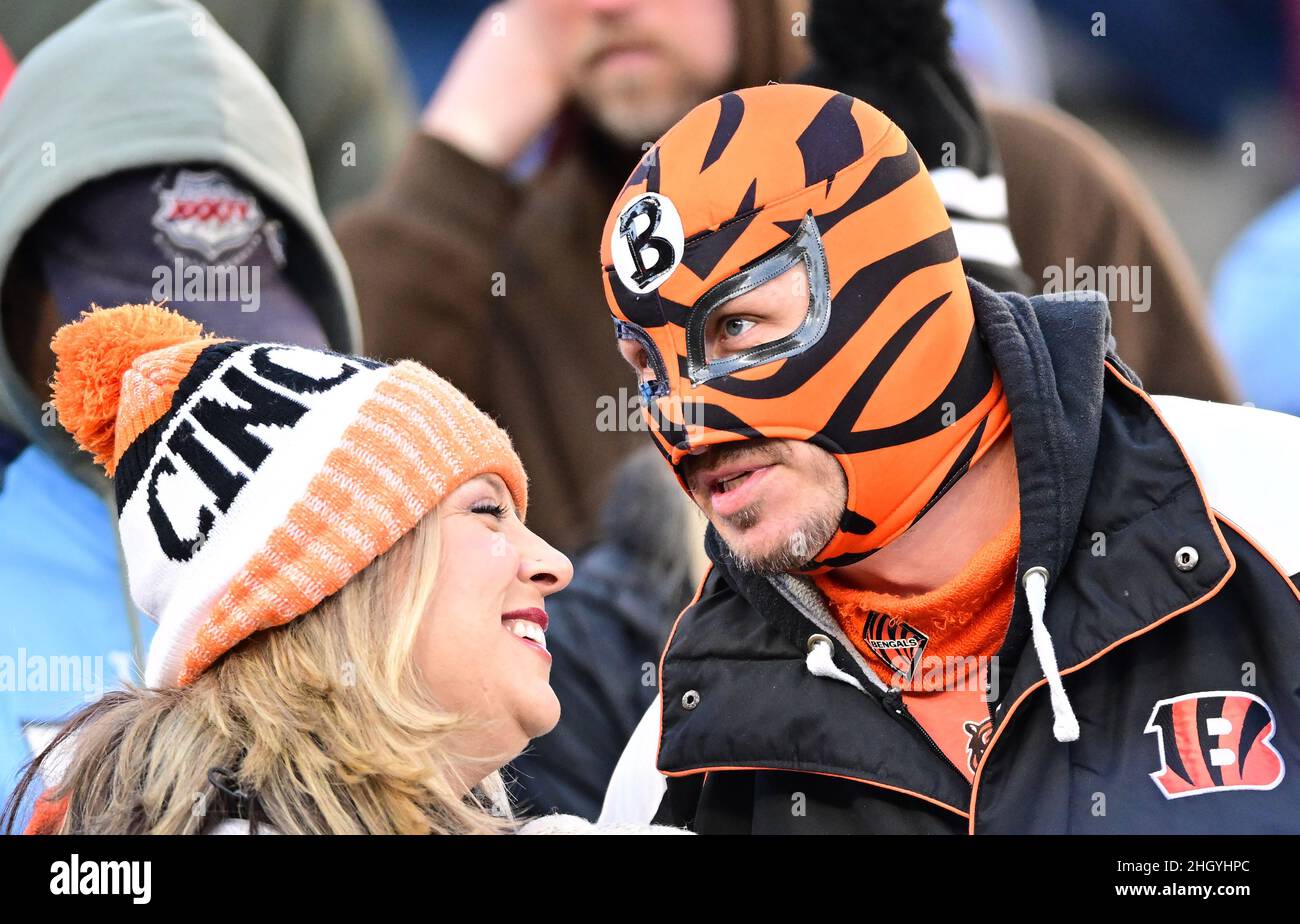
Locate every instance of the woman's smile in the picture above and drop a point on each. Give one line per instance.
(529, 626)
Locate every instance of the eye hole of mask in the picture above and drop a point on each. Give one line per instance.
(762, 315)
(777, 306)
(641, 352)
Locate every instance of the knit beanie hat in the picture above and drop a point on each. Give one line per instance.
(253, 480)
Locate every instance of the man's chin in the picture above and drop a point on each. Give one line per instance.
(774, 544)
(758, 549)
(634, 115)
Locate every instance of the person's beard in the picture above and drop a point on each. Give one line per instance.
(626, 114)
(809, 537)
(634, 109)
(805, 541)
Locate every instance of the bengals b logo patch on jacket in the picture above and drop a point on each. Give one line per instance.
(1214, 741)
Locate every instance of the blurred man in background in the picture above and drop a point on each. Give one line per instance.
(472, 259)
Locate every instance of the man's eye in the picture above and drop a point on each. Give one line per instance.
(735, 327)
(636, 356)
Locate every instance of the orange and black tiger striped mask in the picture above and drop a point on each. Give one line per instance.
(886, 371)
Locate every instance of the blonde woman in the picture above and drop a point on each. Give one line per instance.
(351, 610)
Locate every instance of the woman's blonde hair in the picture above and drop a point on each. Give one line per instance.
(325, 722)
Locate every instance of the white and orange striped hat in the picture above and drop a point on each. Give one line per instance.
(253, 480)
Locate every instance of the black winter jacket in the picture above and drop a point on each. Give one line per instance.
(1178, 644)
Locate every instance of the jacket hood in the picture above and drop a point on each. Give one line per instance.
(141, 83)
(1051, 352)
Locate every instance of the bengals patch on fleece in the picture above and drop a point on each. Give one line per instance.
(255, 479)
(899, 646)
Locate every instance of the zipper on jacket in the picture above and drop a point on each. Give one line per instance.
(892, 702)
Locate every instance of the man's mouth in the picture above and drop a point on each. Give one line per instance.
(623, 54)
(735, 486)
(723, 485)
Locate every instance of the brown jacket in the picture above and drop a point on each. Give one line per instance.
(497, 287)
(1071, 195)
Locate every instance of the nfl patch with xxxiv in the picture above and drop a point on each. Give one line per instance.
(203, 215)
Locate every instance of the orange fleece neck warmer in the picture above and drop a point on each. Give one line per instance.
(966, 617)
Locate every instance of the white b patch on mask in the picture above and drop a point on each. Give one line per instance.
(647, 242)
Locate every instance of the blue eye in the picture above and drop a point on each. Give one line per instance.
(729, 328)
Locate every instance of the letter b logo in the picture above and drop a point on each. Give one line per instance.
(647, 242)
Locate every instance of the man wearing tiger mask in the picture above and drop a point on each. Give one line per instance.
(901, 469)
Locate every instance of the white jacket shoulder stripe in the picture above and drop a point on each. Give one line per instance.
(637, 787)
(1246, 460)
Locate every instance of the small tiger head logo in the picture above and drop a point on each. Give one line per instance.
(979, 734)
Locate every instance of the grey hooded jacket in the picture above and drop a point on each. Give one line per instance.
(138, 83)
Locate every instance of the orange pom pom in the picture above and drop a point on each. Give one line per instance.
(93, 354)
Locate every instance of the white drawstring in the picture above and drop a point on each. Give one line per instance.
(820, 662)
(1064, 724)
